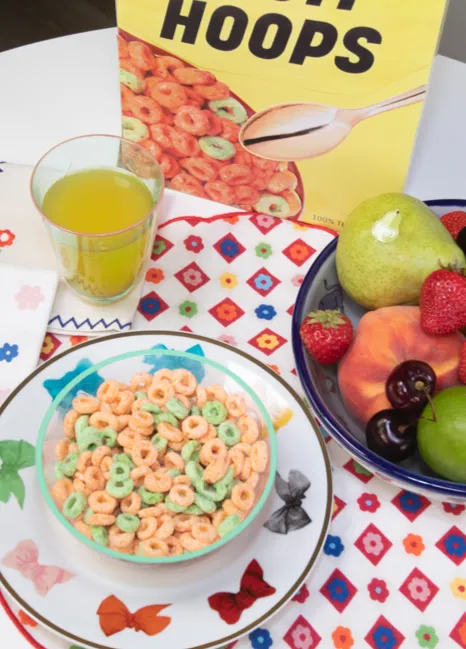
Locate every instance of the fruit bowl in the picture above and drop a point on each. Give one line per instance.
(205, 379)
(321, 290)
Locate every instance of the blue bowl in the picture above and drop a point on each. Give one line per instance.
(321, 290)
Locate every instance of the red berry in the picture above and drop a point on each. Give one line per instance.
(462, 367)
(454, 222)
(443, 303)
(326, 335)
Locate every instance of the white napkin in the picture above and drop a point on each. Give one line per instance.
(26, 297)
(24, 241)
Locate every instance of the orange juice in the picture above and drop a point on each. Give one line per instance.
(100, 240)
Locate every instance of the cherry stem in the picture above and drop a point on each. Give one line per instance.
(421, 386)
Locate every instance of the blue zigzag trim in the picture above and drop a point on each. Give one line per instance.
(88, 322)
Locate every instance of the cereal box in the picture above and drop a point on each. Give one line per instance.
(296, 108)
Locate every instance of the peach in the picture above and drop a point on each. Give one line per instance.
(384, 339)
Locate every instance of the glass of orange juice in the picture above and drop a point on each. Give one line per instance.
(99, 196)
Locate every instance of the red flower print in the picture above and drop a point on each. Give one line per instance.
(453, 508)
(368, 503)
(6, 238)
(342, 638)
(302, 595)
(378, 590)
(414, 545)
(155, 275)
(193, 244)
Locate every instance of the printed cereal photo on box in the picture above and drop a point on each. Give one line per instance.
(299, 109)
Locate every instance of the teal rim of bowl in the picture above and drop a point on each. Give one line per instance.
(133, 557)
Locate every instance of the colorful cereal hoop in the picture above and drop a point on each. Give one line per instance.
(197, 617)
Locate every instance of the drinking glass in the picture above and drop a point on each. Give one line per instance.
(101, 268)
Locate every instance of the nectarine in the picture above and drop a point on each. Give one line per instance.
(384, 339)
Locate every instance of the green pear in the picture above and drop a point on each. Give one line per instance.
(389, 245)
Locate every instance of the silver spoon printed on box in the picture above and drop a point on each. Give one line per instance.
(298, 131)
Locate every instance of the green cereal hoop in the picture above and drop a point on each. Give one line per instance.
(168, 418)
(89, 512)
(174, 473)
(193, 510)
(214, 412)
(140, 396)
(214, 493)
(74, 505)
(153, 408)
(150, 498)
(131, 81)
(127, 522)
(58, 470)
(229, 433)
(134, 129)
(236, 114)
(196, 411)
(227, 478)
(228, 525)
(81, 423)
(119, 488)
(176, 408)
(189, 449)
(89, 439)
(217, 148)
(123, 458)
(70, 464)
(173, 507)
(99, 535)
(120, 471)
(194, 472)
(109, 437)
(273, 205)
(207, 506)
(159, 442)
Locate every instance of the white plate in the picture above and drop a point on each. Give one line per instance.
(62, 583)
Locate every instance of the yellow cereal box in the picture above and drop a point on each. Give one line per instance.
(295, 108)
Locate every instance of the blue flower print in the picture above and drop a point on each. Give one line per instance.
(8, 352)
(410, 502)
(338, 590)
(265, 312)
(175, 362)
(260, 639)
(456, 545)
(263, 282)
(229, 248)
(384, 638)
(333, 546)
(89, 385)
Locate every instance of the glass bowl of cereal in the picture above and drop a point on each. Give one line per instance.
(156, 467)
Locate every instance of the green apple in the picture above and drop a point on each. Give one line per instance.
(389, 245)
(442, 439)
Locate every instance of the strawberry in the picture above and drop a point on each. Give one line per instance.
(454, 222)
(326, 335)
(462, 367)
(443, 303)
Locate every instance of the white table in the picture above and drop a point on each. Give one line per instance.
(62, 88)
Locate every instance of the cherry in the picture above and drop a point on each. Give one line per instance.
(392, 434)
(410, 385)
